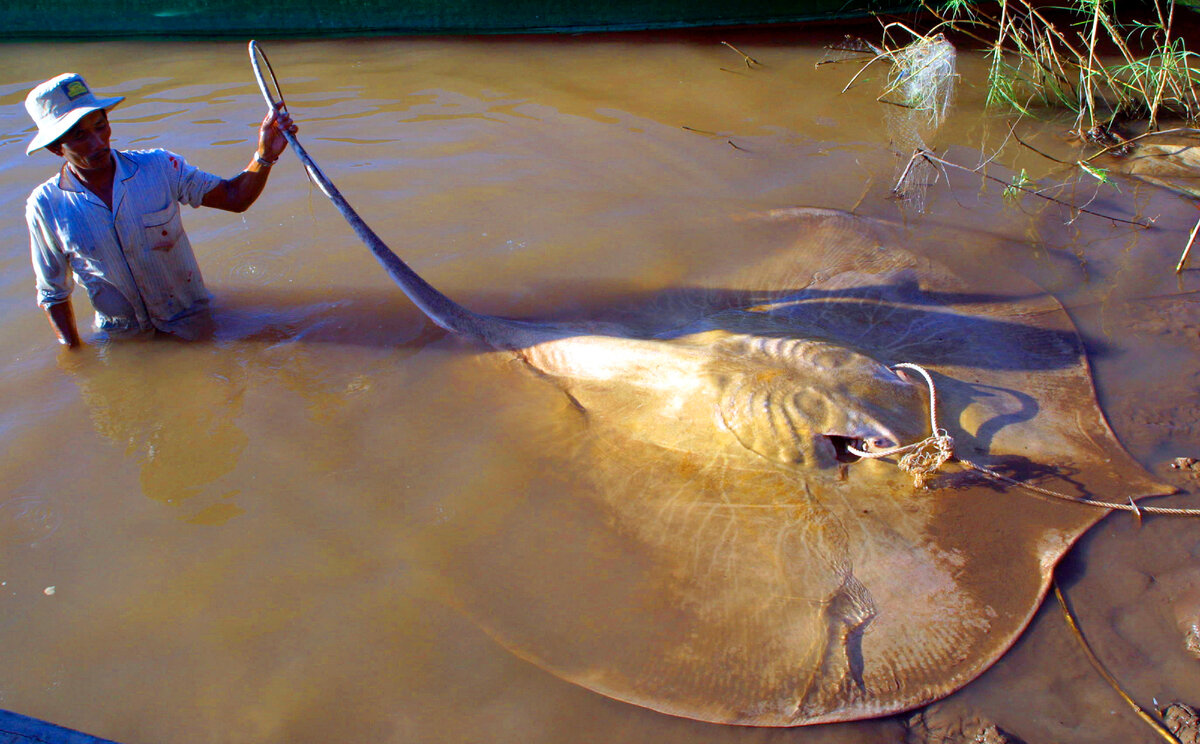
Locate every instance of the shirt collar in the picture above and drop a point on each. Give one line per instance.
(126, 168)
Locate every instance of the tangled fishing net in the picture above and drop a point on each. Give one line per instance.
(923, 77)
(921, 87)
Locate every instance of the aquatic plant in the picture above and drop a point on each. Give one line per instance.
(1120, 78)
(1081, 56)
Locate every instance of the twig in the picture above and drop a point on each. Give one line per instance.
(863, 54)
(902, 105)
(1081, 164)
(928, 155)
(959, 25)
(863, 196)
(1153, 722)
(870, 50)
(904, 173)
(861, 70)
(996, 151)
(1162, 74)
(750, 61)
(1089, 71)
(1051, 28)
(1191, 240)
(1137, 513)
(1073, 207)
(1095, 195)
(1013, 131)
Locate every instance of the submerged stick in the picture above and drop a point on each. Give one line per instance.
(1141, 713)
(931, 157)
(1188, 249)
(750, 61)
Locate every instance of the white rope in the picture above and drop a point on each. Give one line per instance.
(925, 458)
(921, 459)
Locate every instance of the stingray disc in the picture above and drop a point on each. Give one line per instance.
(701, 578)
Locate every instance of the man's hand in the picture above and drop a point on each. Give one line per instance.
(271, 141)
(62, 319)
(238, 193)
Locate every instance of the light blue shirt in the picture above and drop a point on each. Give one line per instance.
(135, 260)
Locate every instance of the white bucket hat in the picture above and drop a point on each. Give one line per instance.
(57, 104)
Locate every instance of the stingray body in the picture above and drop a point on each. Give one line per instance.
(735, 571)
(772, 584)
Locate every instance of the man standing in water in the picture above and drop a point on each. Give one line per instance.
(110, 219)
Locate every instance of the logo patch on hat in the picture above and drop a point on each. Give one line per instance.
(74, 89)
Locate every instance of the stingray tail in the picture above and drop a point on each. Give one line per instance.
(441, 309)
(438, 307)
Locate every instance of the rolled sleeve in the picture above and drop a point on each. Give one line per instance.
(51, 266)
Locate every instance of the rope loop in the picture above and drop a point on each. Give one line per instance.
(923, 459)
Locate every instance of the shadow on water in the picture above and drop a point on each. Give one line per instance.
(896, 321)
(893, 322)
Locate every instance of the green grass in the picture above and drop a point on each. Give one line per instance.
(1082, 58)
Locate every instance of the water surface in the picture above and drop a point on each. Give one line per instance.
(243, 536)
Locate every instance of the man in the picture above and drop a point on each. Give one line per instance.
(110, 219)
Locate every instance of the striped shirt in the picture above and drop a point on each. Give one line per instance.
(135, 261)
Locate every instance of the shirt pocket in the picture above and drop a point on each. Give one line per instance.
(163, 228)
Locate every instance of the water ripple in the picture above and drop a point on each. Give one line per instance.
(27, 521)
(258, 266)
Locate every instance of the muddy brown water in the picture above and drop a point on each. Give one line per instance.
(239, 540)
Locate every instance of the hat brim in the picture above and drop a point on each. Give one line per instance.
(71, 118)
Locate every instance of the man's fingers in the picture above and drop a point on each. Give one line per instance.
(281, 121)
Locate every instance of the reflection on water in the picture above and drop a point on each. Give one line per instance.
(247, 534)
(174, 417)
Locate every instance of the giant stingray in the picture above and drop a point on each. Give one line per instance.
(781, 582)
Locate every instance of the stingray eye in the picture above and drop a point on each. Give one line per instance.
(881, 443)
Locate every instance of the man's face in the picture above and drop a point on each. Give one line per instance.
(85, 145)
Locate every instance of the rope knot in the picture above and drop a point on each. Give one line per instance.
(925, 458)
